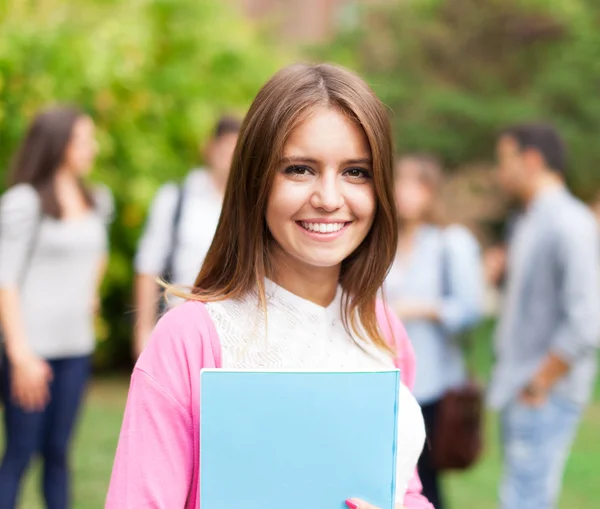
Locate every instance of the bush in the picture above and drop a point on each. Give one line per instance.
(453, 72)
(154, 74)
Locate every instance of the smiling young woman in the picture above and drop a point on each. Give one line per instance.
(307, 234)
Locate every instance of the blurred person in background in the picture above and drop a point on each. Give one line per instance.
(436, 288)
(53, 247)
(549, 326)
(180, 227)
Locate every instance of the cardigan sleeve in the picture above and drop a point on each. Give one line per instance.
(156, 463)
(396, 335)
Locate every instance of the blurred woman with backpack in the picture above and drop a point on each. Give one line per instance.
(435, 287)
(53, 246)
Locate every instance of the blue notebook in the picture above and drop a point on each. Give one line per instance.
(297, 440)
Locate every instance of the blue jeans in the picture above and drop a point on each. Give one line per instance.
(47, 432)
(536, 445)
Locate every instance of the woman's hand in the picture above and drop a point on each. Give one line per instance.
(30, 377)
(355, 503)
(407, 311)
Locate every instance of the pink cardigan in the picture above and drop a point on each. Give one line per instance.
(157, 460)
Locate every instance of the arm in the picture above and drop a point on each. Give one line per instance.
(155, 461)
(462, 307)
(100, 273)
(414, 498)
(579, 332)
(105, 206)
(396, 335)
(150, 262)
(153, 465)
(462, 271)
(30, 375)
(146, 295)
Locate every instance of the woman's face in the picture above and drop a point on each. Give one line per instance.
(82, 148)
(322, 203)
(413, 197)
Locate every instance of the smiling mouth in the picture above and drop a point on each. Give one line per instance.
(322, 227)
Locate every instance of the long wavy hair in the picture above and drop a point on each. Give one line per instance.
(239, 258)
(42, 152)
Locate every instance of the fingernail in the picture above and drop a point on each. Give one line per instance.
(351, 505)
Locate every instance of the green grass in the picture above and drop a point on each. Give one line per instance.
(98, 431)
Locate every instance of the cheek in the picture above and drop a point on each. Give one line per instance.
(81, 152)
(411, 198)
(284, 201)
(362, 201)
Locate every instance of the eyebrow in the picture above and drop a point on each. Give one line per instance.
(309, 160)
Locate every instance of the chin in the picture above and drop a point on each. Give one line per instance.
(322, 262)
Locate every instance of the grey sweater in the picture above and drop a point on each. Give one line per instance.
(54, 263)
(552, 301)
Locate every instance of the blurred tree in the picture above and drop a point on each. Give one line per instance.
(453, 72)
(154, 74)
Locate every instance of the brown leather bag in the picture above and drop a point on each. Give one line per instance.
(457, 439)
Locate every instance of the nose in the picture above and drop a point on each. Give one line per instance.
(327, 194)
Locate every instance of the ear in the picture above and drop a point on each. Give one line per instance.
(533, 160)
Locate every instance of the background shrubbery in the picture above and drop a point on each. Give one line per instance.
(154, 74)
(453, 72)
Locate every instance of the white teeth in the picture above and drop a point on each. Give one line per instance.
(322, 227)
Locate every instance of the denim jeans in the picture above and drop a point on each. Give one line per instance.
(536, 445)
(47, 432)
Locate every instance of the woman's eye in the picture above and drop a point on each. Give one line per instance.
(358, 173)
(297, 170)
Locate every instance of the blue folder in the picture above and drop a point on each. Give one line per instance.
(297, 440)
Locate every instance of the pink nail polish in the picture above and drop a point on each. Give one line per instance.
(351, 505)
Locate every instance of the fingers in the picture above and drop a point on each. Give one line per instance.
(32, 397)
(49, 375)
(30, 388)
(356, 503)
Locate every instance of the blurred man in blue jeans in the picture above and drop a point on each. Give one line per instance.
(549, 326)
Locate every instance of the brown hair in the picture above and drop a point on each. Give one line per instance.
(239, 257)
(227, 124)
(431, 175)
(43, 151)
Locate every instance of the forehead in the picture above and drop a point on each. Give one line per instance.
(227, 138)
(328, 132)
(409, 169)
(83, 124)
(507, 144)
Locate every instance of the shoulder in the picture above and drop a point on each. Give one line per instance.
(460, 237)
(166, 197)
(104, 201)
(395, 334)
(184, 340)
(575, 219)
(22, 198)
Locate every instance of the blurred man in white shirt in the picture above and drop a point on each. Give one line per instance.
(180, 227)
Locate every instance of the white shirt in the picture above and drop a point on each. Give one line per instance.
(201, 208)
(302, 335)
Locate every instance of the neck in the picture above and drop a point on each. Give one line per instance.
(407, 234)
(409, 228)
(65, 178)
(317, 285)
(544, 183)
(218, 181)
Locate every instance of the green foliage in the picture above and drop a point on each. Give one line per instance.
(154, 74)
(454, 72)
